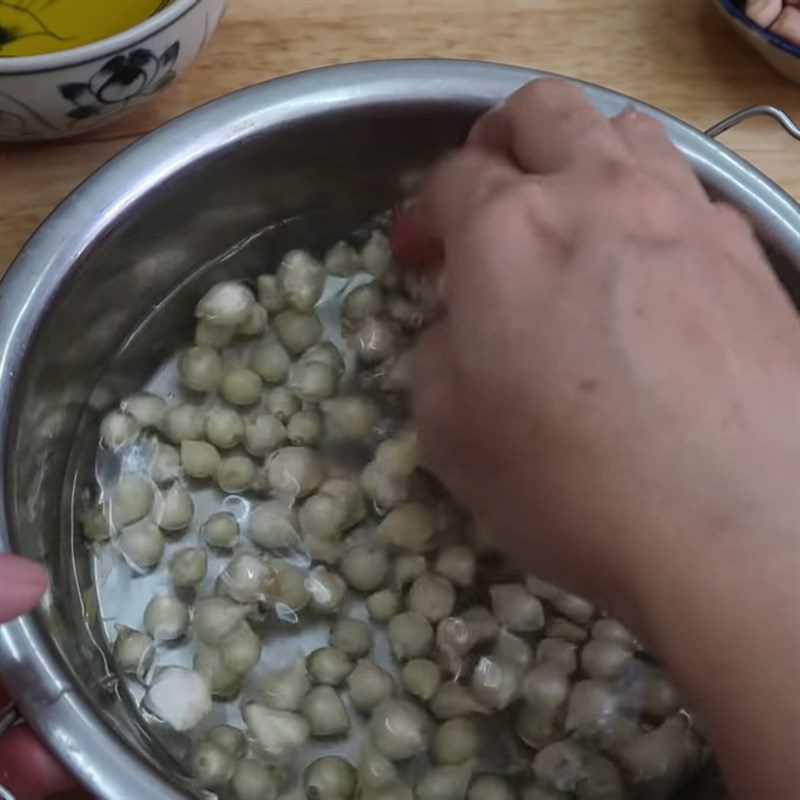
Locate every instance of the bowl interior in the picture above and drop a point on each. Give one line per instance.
(125, 305)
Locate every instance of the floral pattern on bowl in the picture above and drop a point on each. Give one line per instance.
(63, 93)
(120, 79)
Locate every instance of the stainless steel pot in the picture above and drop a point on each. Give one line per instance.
(302, 159)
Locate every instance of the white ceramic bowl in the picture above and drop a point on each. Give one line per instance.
(67, 92)
(782, 54)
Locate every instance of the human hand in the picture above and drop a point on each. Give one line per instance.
(616, 350)
(782, 17)
(26, 767)
(614, 388)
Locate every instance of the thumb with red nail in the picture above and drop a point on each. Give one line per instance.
(27, 769)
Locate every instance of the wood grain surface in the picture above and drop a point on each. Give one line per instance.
(676, 54)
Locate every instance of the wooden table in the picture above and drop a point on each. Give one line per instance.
(676, 54)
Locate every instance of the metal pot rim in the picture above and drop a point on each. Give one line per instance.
(32, 669)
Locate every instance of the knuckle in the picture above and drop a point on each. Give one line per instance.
(634, 185)
(546, 91)
(501, 207)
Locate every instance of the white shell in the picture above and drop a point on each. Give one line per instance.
(421, 678)
(285, 689)
(325, 712)
(270, 361)
(329, 665)
(221, 529)
(294, 471)
(445, 783)
(118, 429)
(142, 543)
(269, 295)
(322, 515)
(166, 618)
(225, 303)
(255, 322)
(351, 636)
(490, 787)
(148, 408)
(312, 381)
(516, 608)
(561, 765)
(301, 279)
(273, 524)
(211, 765)
(398, 729)
(165, 463)
(130, 500)
(342, 260)
(399, 455)
(560, 652)
(240, 649)
(364, 566)
(229, 738)
(455, 741)
(409, 527)
(217, 336)
(376, 255)
(369, 685)
(326, 589)
(263, 434)
(224, 427)
(330, 778)
(383, 605)
(297, 331)
(240, 386)
(253, 780)
(454, 700)
(545, 686)
(235, 473)
(494, 683)
(350, 416)
(184, 422)
(180, 697)
(375, 340)
(244, 578)
(457, 563)
(199, 459)
(200, 368)
(133, 650)
(410, 635)
(363, 302)
(305, 428)
(432, 596)
(278, 732)
(173, 509)
(188, 566)
(215, 617)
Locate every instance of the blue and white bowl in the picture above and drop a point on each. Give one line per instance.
(70, 91)
(782, 54)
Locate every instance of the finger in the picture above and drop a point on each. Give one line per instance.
(788, 25)
(652, 149)
(434, 395)
(457, 187)
(22, 583)
(546, 126)
(27, 769)
(763, 12)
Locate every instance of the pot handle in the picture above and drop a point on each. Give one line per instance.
(786, 122)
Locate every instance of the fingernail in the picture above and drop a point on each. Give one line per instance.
(22, 583)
